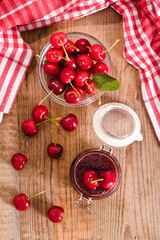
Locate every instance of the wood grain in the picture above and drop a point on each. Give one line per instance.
(133, 211)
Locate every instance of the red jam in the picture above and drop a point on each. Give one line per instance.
(97, 160)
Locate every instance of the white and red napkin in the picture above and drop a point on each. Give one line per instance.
(141, 46)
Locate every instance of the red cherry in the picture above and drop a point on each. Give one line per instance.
(56, 85)
(84, 62)
(91, 89)
(21, 203)
(109, 179)
(88, 177)
(18, 160)
(56, 215)
(39, 113)
(80, 90)
(71, 96)
(82, 45)
(70, 122)
(100, 67)
(70, 47)
(54, 55)
(52, 69)
(54, 150)
(72, 63)
(56, 39)
(29, 127)
(67, 75)
(81, 78)
(96, 52)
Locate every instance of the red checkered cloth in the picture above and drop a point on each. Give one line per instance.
(141, 46)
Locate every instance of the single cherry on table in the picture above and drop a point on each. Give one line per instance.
(54, 150)
(69, 122)
(21, 201)
(40, 113)
(29, 127)
(56, 215)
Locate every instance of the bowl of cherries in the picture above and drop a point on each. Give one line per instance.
(67, 65)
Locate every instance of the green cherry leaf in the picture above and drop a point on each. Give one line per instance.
(104, 82)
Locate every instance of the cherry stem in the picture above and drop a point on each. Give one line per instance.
(74, 88)
(48, 120)
(64, 49)
(111, 46)
(40, 171)
(99, 98)
(44, 60)
(65, 113)
(54, 139)
(53, 120)
(37, 124)
(67, 59)
(45, 97)
(65, 221)
(98, 180)
(36, 194)
(74, 47)
(89, 48)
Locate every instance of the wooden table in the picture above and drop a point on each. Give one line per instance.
(133, 211)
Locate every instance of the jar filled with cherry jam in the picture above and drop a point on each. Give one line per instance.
(116, 125)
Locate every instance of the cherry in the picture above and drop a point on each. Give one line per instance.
(97, 52)
(100, 67)
(72, 96)
(56, 85)
(39, 113)
(54, 150)
(90, 88)
(19, 161)
(80, 90)
(52, 69)
(67, 75)
(69, 122)
(81, 78)
(22, 203)
(82, 44)
(72, 63)
(90, 178)
(70, 47)
(54, 55)
(55, 214)
(109, 179)
(58, 38)
(29, 127)
(84, 62)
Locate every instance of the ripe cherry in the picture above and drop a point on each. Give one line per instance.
(82, 45)
(29, 127)
(81, 78)
(72, 96)
(97, 52)
(100, 67)
(58, 38)
(54, 55)
(56, 85)
(22, 203)
(67, 75)
(90, 88)
(70, 47)
(72, 63)
(52, 69)
(56, 214)
(90, 179)
(70, 122)
(84, 62)
(109, 179)
(54, 150)
(19, 161)
(39, 113)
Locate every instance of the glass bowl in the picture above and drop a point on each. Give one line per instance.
(43, 77)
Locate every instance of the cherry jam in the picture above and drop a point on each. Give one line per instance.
(97, 160)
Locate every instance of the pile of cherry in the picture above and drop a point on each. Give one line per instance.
(54, 150)
(72, 73)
